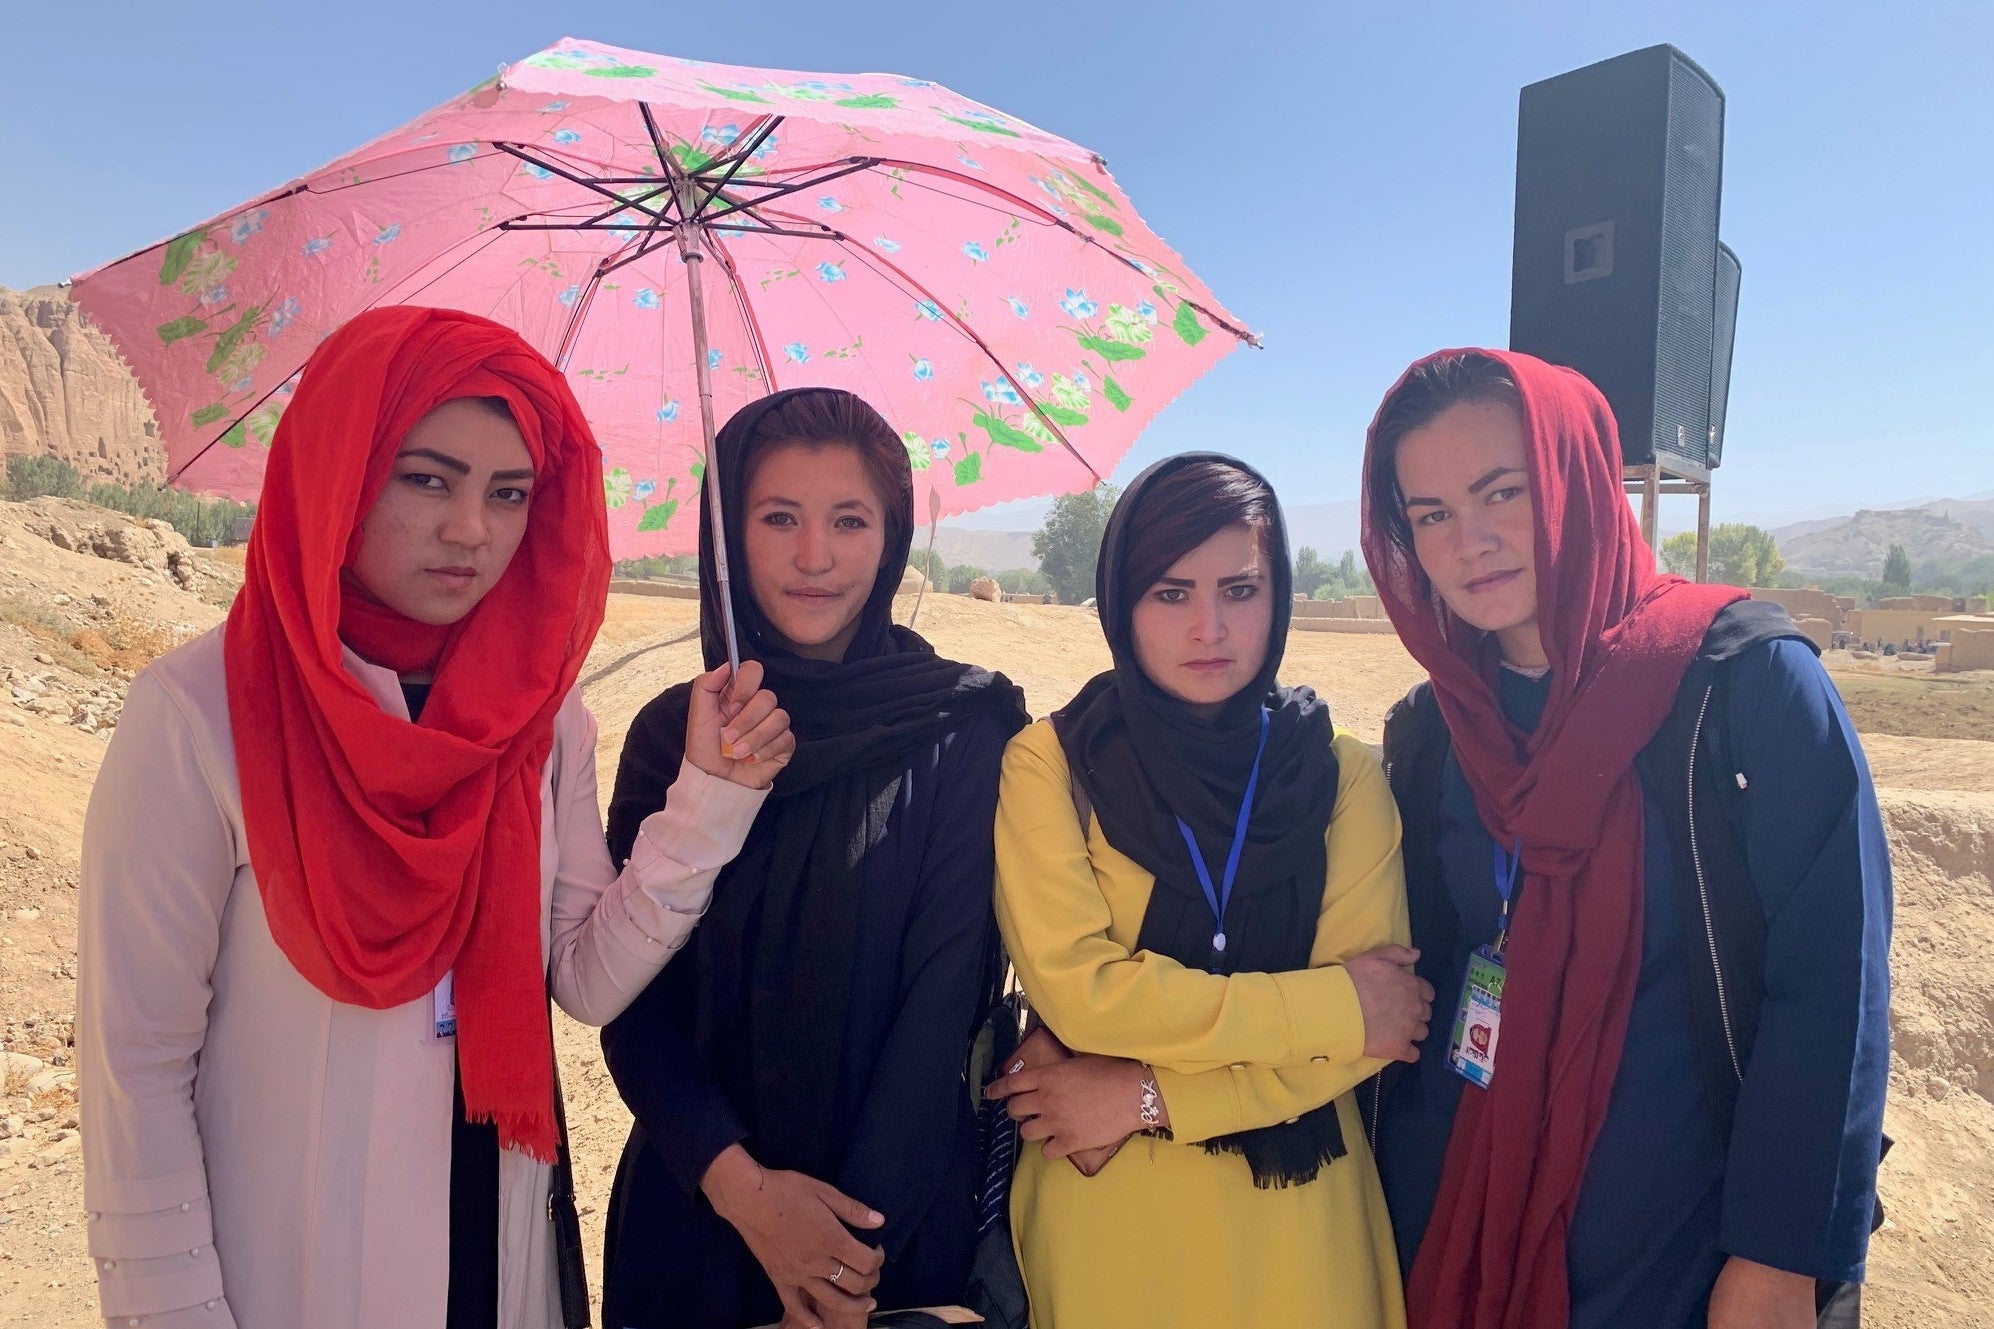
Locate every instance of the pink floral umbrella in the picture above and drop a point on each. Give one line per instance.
(985, 284)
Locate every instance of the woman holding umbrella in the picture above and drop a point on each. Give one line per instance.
(800, 1073)
(1645, 867)
(342, 848)
(1199, 883)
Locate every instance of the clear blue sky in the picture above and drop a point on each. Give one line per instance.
(1341, 175)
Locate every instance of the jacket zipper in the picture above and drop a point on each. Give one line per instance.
(1703, 892)
(1377, 1111)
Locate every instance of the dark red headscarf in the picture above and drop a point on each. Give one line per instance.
(390, 853)
(1619, 636)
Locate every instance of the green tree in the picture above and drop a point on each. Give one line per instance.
(960, 576)
(1310, 571)
(1346, 570)
(1026, 581)
(1070, 541)
(1897, 569)
(43, 477)
(1679, 554)
(1740, 555)
(933, 566)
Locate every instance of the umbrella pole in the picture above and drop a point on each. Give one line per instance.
(694, 257)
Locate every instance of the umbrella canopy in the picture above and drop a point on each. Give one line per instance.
(983, 283)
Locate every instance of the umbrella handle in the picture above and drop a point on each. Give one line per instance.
(694, 257)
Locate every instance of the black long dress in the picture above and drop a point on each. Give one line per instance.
(474, 1184)
(906, 1127)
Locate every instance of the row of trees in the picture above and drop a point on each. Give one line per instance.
(206, 522)
(1069, 543)
(956, 578)
(1744, 555)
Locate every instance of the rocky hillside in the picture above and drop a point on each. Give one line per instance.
(65, 392)
(1858, 546)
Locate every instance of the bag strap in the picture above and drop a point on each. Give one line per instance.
(570, 1266)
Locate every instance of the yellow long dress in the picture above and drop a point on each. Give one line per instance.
(1168, 1235)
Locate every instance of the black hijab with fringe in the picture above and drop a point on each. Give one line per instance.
(776, 948)
(1145, 759)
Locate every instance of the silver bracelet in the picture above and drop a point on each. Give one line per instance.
(1152, 1101)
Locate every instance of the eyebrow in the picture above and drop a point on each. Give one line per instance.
(1492, 477)
(450, 463)
(1186, 583)
(1415, 501)
(849, 505)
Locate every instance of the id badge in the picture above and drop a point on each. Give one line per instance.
(444, 1006)
(1478, 1019)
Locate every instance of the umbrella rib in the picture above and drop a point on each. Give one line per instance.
(644, 246)
(566, 345)
(738, 160)
(183, 468)
(657, 139)
(585, 182)
(852, 167)
(599, 222)
(755, 338)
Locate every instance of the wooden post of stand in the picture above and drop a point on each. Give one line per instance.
(1651, 505)
(1703, 533)
(1667, 476)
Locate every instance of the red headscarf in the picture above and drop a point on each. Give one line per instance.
(390, 853)
(1619, 637)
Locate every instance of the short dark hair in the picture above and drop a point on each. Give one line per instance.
(835, 418)
(1185, 508)
(1428, 392)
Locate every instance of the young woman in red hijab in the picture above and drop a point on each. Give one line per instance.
(1647, 879)
(342, 849)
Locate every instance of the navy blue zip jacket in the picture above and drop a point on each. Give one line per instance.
(1777, 1166)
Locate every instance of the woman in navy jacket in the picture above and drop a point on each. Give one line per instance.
(1662, 1102)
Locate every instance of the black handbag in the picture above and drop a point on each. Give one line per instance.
(570, 1266)
(996, 1284)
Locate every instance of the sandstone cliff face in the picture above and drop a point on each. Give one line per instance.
(65, 392)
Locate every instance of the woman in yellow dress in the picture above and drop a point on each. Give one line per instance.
(1200, 887)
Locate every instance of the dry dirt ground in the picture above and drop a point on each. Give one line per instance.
(1932, 1266)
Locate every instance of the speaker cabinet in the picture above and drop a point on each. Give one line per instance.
(1619, 168)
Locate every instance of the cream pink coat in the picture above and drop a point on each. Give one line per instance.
(257, 1154)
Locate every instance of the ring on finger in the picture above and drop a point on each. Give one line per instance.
(841, 1272)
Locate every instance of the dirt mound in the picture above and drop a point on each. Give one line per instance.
(1942, 1015)
(1930, 1264)
(84, 528)
(89, 597)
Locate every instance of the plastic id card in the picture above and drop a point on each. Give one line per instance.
(1478, 1019)
(444, 1007)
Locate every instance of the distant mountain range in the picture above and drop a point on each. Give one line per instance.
(1327, 528)
(1945, 531)
(993, 551)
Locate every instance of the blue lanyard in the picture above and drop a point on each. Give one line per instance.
(1508, 868)
(1219, 898)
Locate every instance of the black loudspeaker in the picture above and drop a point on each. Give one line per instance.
(1729, 274)
(1618, 171)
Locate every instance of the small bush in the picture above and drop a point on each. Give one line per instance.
(42, 477)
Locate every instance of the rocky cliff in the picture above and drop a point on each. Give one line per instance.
(1858, 546)
(65, 392)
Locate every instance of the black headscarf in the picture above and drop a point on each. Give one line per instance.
(775, 953)
(1145, 759)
